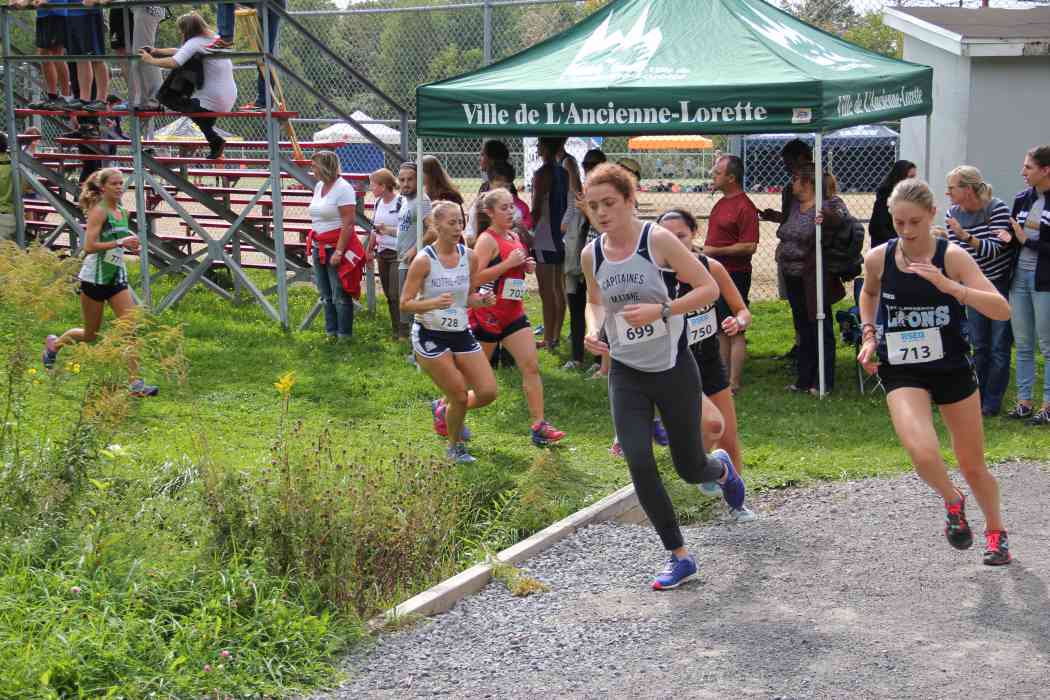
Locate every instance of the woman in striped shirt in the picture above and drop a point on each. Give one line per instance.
(974, 220)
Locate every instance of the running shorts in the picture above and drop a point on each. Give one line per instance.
(432, 344)
(944, 386)
(101, 292)
(713, 375)
(488, 333)
(742, 280)
(86, 36)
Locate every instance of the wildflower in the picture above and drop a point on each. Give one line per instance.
(207, 668)
(76, 368)
(36, 381)
(75, 589)
(285, 383)
(116, 450)
(31, 371)
(225, 653)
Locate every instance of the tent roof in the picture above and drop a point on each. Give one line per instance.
(342, 131)
(643, 67)
(659, 143)
(182, 129)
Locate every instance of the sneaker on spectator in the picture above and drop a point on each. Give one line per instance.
(458, 454)
(142, 389)
(543, 433)
(74, 105)
(733, 489)
(571, 365)
(996, 548)
(251, 107)
(956, 529)
(46, 103)
(677, 572)
(219, 45)
(50, 351)
(1041, 417)
(660, 434)
(95, 106)
(1020, 412)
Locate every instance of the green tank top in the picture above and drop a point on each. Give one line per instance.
(107, 267)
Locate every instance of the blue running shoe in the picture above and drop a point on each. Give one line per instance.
(677, 572)
(711, 489)
(659, 434)
(733, 488)
(458, 454)
(50, 351)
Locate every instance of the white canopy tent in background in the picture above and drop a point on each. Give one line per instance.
(346, 133)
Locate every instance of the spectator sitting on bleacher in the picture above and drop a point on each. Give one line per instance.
(219, 91)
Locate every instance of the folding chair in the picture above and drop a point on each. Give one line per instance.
(852, 334)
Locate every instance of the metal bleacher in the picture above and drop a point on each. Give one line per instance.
(193, 215)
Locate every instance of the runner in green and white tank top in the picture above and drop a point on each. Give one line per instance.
(107, 267)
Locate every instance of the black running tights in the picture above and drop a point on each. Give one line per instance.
(633, 396)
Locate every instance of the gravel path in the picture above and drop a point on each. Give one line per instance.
(843, 590)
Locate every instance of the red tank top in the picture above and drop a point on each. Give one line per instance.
(508, 287)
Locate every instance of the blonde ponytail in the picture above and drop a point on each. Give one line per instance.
(91, 190)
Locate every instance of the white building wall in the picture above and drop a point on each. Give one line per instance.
(1009, 106)
(950, 119)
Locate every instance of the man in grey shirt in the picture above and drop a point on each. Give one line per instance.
(406, 231)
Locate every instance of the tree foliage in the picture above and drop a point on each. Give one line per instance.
(873, 34)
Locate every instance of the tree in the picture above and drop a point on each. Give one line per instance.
(830, 15)
(873, 34)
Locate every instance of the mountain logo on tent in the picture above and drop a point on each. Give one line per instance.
(613, 56)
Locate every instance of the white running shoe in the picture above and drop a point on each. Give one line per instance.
(743, 514)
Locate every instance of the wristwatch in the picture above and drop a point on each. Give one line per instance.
(665, 310)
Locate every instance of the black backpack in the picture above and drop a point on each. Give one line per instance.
(842, 249)
(181, 83)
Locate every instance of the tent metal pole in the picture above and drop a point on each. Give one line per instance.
(818, 167)
(419, 195)
(927, 166)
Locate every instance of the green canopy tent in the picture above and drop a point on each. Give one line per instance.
(679, 67)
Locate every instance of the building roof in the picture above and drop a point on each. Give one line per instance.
(980, 32)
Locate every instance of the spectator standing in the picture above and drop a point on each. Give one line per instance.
(437, 184)
(974, 220)
(1030, 291)
(145, 77)
(732, 239)
(51, 41)
(494, 154)
(797, 254)
(219, 91)
(550, 197)
(406, 232)
(794, 154)
(575, 280)
(880, 228)
(7, 215)
(273, 23)
(383, 239)
(335, 248)
(86, 36)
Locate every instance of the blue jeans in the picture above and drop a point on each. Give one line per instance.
(271, 45)
(991, 354)
(226, 19)
(338, 305)
(1030, 320)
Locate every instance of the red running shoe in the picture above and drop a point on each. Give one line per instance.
(543, 433)
(996, 548)
(956, 529)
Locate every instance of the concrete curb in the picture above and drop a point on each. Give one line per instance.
(621, 505)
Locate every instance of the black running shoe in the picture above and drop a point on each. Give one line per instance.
(956, 529)
(1041, 417)
(996, 548)
(1020, 412)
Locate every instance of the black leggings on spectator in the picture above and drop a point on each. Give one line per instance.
(676, 392)
(206, 124)
(577, 321)
(807, 362)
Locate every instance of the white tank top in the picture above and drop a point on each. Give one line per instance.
(445, 280)
(637, 280)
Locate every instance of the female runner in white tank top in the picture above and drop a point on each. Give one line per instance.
(439, 287)
(632, 274)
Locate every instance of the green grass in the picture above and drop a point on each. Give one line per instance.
(154, 605)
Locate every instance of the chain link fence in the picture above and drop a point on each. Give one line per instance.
(367, 59)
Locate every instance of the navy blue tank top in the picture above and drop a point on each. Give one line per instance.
(701, 326)
(919, 326)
